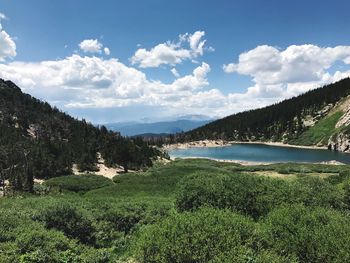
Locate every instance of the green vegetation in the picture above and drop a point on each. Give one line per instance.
(320, 132)
(39, 141)
(186, 211)
(78, 183)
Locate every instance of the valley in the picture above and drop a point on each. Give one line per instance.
(75, 192)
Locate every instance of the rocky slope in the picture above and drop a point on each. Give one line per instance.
(340, 139)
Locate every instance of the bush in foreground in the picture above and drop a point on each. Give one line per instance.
(252, 195)
(313, 235)
(72, 222)
(207, 235)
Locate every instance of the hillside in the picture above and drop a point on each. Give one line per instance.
(37, 140)
(319, 117)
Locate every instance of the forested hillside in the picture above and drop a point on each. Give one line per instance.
(39, 141)
(311, 118)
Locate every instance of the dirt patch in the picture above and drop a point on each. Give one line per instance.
(275, 174)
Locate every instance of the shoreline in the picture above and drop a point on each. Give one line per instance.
(245, 163)
(281, 144)
(222, 143)
(252, 163)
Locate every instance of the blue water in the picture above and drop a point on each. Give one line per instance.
(262, 153)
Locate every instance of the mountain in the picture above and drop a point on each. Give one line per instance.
(320, 117)
(164, 127)
(193, 117)
(39, 141)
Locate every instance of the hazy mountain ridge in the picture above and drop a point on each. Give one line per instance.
(319, 117)
(162, 127)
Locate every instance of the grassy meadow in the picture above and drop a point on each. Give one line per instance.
(185, 211)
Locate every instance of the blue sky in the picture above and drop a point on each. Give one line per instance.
(272, 50)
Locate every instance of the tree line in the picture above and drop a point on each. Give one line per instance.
(39, 141)
(282, 121)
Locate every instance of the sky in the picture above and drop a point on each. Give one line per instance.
(136, 60)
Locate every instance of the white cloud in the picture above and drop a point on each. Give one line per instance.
(196, 43)
(107, 51)
(91, 46)
(166, 53)
(7, 44)
(175, 73)
(83, 82)
(78, 82)
(2, 16)
(347, 60)
(95, 82)
(189, 46)
(290, 71)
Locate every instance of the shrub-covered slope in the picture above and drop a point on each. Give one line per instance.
(186, 211)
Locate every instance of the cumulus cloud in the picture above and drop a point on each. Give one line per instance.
(166, 53)
(175, 73)
(91, 46)
(196, 43)
(107, 51)
(7, 44)
(85, 82)
(2, 16)
(189, 46)
(290, 71)
(82, 82)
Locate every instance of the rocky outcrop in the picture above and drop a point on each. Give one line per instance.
(344, 120)
(339, 142)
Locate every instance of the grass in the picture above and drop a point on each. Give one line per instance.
(158, 182)
(320, 132)
(292, 175)
(78, 183)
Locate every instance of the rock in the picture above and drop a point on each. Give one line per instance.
(344, 120)
(333, 162)
(339, 142)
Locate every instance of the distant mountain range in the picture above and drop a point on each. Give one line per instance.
(186, 123)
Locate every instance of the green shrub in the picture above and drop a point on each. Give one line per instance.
(248, 194)
(347, 194)
(9, 221)
(194, 237)
(34, 243)
(254, 195)
(70, 221)
(117, 222)
(314, 191)
(313, 235)
(78, 183)
(91, 255)
(207, 235)
(124, 219)
(341, 177)
(201, 189)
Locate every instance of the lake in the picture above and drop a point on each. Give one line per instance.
(262, 153)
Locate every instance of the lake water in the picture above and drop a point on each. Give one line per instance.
(262, 153)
